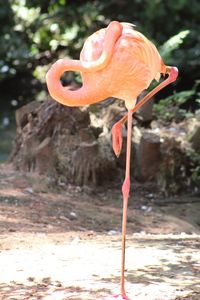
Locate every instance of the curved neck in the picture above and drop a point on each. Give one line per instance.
(57, 91)
(83, 96)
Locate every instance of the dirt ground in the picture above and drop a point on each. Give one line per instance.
(65, 243)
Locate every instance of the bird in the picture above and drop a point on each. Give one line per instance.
(116, 61)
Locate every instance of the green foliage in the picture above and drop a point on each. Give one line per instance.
(168, 108)
(167, 49)
(29, 28)
(172, 107)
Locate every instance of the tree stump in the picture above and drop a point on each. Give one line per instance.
(148, 156)
(59, 141)
(175, 169)
(145, 113)
(195, 138)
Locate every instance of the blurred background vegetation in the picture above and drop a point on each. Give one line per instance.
(34, 33)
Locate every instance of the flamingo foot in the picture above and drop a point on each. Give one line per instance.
(120, 297)
(117, 138)
(116, 297)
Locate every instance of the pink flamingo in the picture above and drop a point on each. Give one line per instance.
(120, 62)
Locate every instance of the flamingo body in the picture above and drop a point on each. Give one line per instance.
(123, 71)
(117, 61)
(134, 64)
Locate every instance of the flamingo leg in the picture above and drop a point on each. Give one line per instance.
(116, 130)
(125, 192)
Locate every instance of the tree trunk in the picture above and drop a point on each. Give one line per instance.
(148, 156)
(59, 141)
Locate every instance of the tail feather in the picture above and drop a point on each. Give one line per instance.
(129, 25)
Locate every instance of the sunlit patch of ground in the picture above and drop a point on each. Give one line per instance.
(67, 245)
(78, 266)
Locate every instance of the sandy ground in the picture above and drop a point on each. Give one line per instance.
(66, 244)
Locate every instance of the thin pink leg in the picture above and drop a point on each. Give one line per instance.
(125, 192)
(117, 144)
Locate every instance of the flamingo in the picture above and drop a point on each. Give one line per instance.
(116, 61)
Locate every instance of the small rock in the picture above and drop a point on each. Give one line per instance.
(143, 232)
(29, 190)
(183, 233)
(150, 196)
(63, 218)
(31, 279)
(90, 233)
(60, 183)
(112, 232)
(73, 215)
(146, 208)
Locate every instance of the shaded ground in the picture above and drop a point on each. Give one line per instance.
(66, 244)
